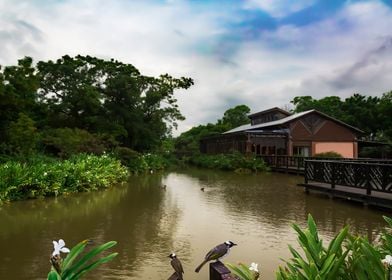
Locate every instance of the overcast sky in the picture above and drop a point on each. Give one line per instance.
(261, 53)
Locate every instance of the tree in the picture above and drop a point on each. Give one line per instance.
(110, 97)
(23, 135)
(18, 94)
(235, 117)
(188, 142)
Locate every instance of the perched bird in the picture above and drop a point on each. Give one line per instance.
(216, 253)
(164, 187)
(177, 266)
(202, 189)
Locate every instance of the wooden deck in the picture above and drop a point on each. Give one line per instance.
(367, 182)
(378, 199)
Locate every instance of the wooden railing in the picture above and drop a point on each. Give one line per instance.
(297, 163)
(368, 175)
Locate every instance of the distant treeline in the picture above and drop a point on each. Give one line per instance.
(84, 104)
(371, 114)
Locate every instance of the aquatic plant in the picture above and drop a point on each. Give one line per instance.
(40, 178)
(244, 272)
(76, 265)
(232, 161)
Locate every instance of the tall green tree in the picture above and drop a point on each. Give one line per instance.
(18, 94)
(110, 97)
(235, 117)
(188, 142)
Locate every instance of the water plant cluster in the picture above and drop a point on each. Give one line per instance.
(77, 264)
(346, 257)
(40, 177)
(233, 161)
(139, 163)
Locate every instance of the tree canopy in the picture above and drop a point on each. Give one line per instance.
(107, 99)
(188, 142)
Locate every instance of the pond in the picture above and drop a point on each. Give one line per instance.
(149, 222)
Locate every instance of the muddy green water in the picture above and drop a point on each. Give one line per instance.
(148, 222)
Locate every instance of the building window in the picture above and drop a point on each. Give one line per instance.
(301, 151)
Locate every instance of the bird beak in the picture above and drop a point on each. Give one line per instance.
(234, 244)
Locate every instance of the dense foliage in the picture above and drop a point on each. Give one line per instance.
(234, 161)
(346, 257)
(188, 142)
(330, 154)
(84, 104)
(40, 177)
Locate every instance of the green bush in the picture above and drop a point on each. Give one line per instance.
(40, 177)
(64, 142)
(232, 161)
(330, 154)
(141, 163)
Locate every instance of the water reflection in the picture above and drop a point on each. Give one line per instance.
(149, 222)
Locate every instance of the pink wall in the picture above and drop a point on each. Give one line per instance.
(343, 148)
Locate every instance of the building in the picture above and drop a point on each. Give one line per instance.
(277, 132)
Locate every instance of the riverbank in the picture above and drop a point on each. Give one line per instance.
(43, 177)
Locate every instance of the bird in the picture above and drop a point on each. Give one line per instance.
(176, 264)
(164, 187)
(217, 253)
(202, 189)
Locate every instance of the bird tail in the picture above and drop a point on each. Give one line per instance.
(201, 265)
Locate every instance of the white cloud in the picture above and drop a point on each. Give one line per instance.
(345, 53)
(279, 8)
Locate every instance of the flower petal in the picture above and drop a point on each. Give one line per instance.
(64, 250)
(61, 243)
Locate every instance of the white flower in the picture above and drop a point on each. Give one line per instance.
(45, 173)
(253, 266)
(59, 247)
(387, 260)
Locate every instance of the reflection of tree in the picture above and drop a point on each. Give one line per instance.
(133, 215)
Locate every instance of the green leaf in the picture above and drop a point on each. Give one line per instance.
(89, 256)
(93, 265)
(73, 254)
(53, 275)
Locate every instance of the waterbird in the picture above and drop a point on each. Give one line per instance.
(217, 253)
(176, 264)
(202, 189)
(164, 187)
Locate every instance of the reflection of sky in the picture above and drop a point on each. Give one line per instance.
(256, 52)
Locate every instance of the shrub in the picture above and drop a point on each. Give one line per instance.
(39, 177)
(232, 161)
(330, 154)
(64, 142)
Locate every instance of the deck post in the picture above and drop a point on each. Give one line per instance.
(368, 183)
(218, 271)
(305, 172)
(333, 174)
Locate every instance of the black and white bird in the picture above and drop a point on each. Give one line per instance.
(177, 266)
(217, 253)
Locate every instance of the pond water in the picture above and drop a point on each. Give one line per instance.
(149, 222)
